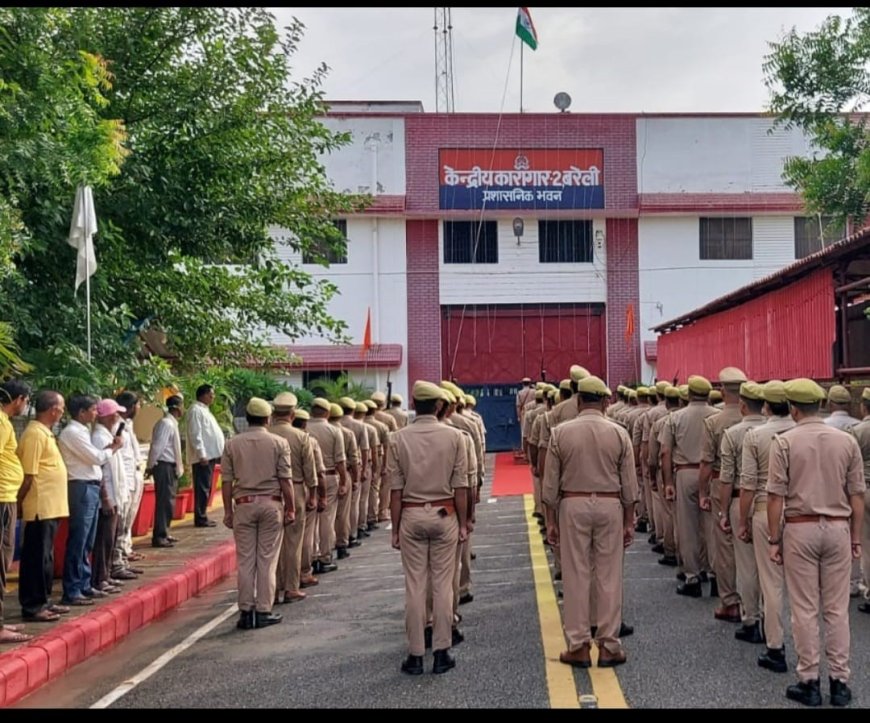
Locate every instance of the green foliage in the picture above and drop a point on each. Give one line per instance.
(818, 81)
(342, 386)
(247, 383)
(11, 362)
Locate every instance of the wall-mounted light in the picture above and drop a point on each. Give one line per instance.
(519, 227)
(599, 239)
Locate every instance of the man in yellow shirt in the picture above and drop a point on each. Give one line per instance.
(14, 396)
(43, 499)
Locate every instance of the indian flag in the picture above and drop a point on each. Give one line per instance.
(526, 28)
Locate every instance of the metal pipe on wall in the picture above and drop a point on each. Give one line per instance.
(373, 144)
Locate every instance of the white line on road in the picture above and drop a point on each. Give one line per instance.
(141, 677)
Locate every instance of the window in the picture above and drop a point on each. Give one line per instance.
(565, 242)
(316, 381)
(325, 250)
(726, 239)
(813, 233)
(470, 242)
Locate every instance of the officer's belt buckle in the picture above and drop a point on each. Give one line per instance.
(427, 506)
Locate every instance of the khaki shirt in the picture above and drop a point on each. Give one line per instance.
(589, 454)
(861, 432)
(255, 460)
(40, 457)
(481, 425)
(524, 396)
(615, 408)
(386, 419)
(318, 456)
(562, 412)
(654, 414)
(467, 424)
(301, 452)
(360, 433)
(427, 460)
(714, 428)
(654, 447)
(470, 459)
(756, 455)
(638, 422)
(330, 439)
(374, 439)
(399, 415)
(351, 448)
(382, 430)
(731, 450)
(683, 433)
(537, 426)
(529, 417)
(816, 468)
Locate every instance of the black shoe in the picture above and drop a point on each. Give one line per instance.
(427, 637)
(641, 526)
(246, 620)
(560, 594)
(840, 693)
(625, 630)
(714, 588)
(315, 567)
(341, 553)
(864, 607)
(669, 560)
(750, 633)
(807, 693)
(557, 576)
(652, 538)
(690, 589)
(773, 659)
(703, 577)
(457, 637)
(371, 526)
(658, 548)
(681, 576)
(473, 555)
(443, 661)
(354, 542)
(362, 532)
(467, 598)
(328, 567)
(163, 542)
(264, 620)
(207, 523)
(413, 665)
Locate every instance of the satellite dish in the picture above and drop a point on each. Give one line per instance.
(562, 101)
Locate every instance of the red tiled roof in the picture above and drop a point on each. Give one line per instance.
(386, 204)
(721, 202)
(348, 356)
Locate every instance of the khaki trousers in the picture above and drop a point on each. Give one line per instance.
(817, 561)
(865, 545)
(770, 577)
(309, 538)
(557, 554)
(342, 518)
(365, 487)
(668, 520)
(689, 522)
(326, 520)
(536, 492)
(354, 506)
(590, 532)
(428, 545)
(384, 505)
(748, 590)
(722, 544)
(659, 518)
(643, 478)
(258, 528)
(290, 559)
(374, 498)
(465, 566)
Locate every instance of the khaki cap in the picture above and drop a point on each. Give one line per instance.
(361, 408)
(803, 391)
(565, 384)
(699, 385)
(671, 392)
(302, 414)
(448, 396)
(258, 407)
(621, 389)
(865, 395)
(752, 390)
(348, 403)
(732, 375)
(285, 400)
(396, 399)
(715, 396)
(631, 393)
(551, 393)
(379, 397)
(335, 411)
(593, 385)
(541, 385)
(322, 403)
(470, 401)
(425, 391)
(526, 379)
(661, 385)
(774, 392)
(838, 394)
(642, 392)
(577, 373)
(370, 405)
(684, 392)
(539, 394)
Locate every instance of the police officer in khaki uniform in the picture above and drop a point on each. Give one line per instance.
(840, 404)
(720, 546)
(378, 488)
(304, 493)
(590, 476)
(861, 432)
(816, 482)
(731, 455)
(619, 404)
(300, 422)
(331, 442)
(428, 476)
(380, 400)
(256, 468)
(716, 400)
(671, 395)
(372, 472)
(470, 404)
(681, 441)
(396, 411)
(361, 436)
(524, 396)
(753, 518)
(353, 464)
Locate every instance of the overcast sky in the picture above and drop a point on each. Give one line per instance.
(606, 59)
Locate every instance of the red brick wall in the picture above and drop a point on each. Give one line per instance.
(426, 133)
(424, 307)
(623, 357)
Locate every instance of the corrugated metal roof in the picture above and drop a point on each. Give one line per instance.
(789, 273)
(349, 356)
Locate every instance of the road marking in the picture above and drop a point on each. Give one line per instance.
(560, 678)
(141, 677)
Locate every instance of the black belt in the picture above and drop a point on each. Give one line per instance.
(88, 481)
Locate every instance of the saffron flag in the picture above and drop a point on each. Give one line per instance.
(367, 334)
(526, 28)
(629, 323)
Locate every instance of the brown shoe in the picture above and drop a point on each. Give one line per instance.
(290, 597)
(728, 613)
(606, 659)
(308, 581)
(578, 658)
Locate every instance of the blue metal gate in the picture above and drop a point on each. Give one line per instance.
(497, 404)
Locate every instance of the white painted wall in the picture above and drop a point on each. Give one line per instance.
(714, 155)
(673, 280)
(519, 277)
(350, 168)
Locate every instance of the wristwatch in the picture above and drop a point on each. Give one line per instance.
(771, 541)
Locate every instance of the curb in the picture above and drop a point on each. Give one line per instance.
(48, 656)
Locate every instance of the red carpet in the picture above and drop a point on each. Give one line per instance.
(511, 478)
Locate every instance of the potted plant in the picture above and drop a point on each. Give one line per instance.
(183, 497)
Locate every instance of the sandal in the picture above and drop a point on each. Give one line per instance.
(13, 628)
(43, 616)
(12, 636)
(59, 609)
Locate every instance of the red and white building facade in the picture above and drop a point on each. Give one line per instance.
(627, 220)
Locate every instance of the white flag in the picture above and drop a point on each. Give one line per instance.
(81, 234)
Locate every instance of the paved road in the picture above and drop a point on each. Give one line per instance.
(342, 647)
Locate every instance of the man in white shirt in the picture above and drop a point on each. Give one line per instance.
(839, 403)
(113, 495)
(124, 553)
(83, 463)
(205, 445)
(165, 466)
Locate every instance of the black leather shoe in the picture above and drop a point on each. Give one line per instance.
(669, 560)
(264, 620)
(164, 542)
(690, 589)
(681, 576)
(413, 665)
(807, 693)
(652, 538)
(246, 620)
(362, 532)
(840, 693)
(658, 548)
(443, 661)
(773, 659)
(315, 567)
(557, 576)
(473, 555)
(714, 588)
(354, 542)
(207, 523)
(864, 607)
(750, 634)
(467, 598)
(427, 637)
(327, 567)
(625, 630)
(341, 553)
(457, 637)
(371, 526)
(641, 526)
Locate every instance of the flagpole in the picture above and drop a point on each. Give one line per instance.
(522, 48)
(88, 301)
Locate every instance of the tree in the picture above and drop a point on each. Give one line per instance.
(819, 82)
(196, 138)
